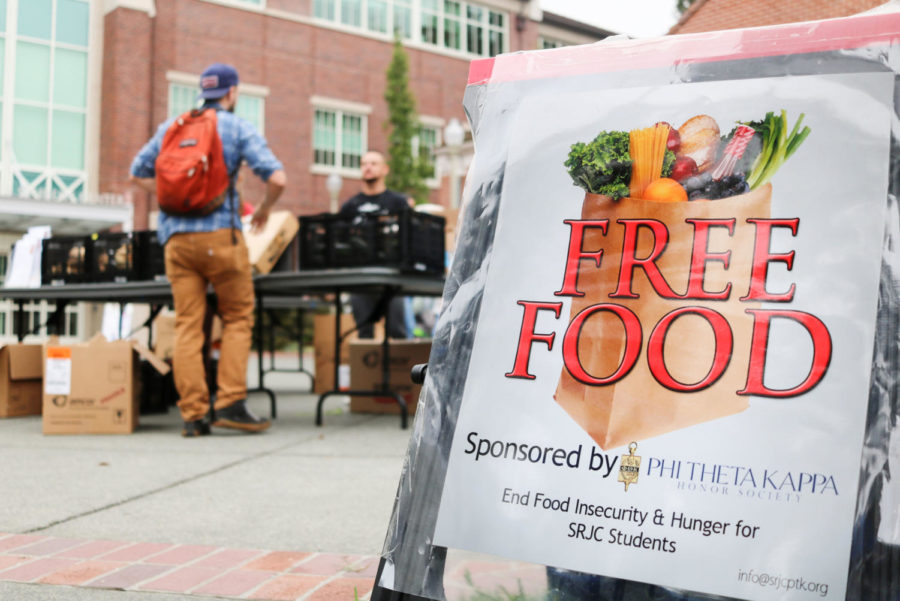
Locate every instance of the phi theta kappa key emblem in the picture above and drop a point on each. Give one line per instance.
(630, 466)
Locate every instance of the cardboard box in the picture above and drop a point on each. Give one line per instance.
(323, 348)
(20, 380)
(365, 373)
(164, 336)
(93, 387)
(265, 247)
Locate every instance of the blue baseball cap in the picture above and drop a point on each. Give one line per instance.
(217, 79)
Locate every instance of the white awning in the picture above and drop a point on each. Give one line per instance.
(18, 214)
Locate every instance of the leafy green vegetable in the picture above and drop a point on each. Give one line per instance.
(777, 145)
(603, 165)
(668, 163)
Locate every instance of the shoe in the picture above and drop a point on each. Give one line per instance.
(193, 429)
(238, 417)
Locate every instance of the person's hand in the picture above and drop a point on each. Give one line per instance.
(260, 217)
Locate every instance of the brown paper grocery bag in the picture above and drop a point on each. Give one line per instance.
(636, 406)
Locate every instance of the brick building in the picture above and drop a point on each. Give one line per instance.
(312, 75)
(84, 83)
(713, 15)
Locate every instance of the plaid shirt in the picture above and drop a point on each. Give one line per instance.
(240, 142)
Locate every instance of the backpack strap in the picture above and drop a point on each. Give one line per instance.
(230, 192)
(234, 202)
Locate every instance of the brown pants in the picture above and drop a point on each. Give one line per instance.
(194, 260)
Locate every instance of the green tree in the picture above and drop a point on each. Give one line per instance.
(408, 170)
(683, 5)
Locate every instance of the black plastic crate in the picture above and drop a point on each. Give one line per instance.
(113, 257)
(409, 241)
(65, 260)
(151, 259)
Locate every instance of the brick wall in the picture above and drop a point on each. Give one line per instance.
(125, 122)
(712, 15)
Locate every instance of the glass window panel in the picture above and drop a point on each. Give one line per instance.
(351, 12)
(32, 72)
(452, 34)
(496, 42)
(496, 19)
(430, 5)
(72, 21)
(34, 18)
(70, 77)
(351, 140)
(251, 109)
(452, 8)
(73, 323)
(3, 330)
(475, 13)
(324, 137)
(324, 9)
(30, 134)
(403, 21)
(2, 62)
(378, 15)
(181, 99)
(427, 144)
(2, 15)
(474, 39)
(430, 29)
(67, 146)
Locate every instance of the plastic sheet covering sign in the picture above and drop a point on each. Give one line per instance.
(670, 372)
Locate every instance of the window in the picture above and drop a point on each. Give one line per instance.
(403, 18)
(545, 43)
(339, 138)
(45, 46)
(453, 24)
(466, 26)
(428, 138)
(183, 97)
(351, 12)
(325, 9)
(378, 10)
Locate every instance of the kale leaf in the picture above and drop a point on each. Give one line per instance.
(602, 166)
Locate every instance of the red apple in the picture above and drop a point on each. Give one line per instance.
(683, 168)
(673, 143)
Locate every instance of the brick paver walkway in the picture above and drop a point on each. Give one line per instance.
(186, 569)
(236, 573)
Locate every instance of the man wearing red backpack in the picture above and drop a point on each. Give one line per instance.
(191, 164)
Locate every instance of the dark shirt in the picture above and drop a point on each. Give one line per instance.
(364, 203)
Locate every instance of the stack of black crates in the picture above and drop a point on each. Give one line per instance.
(107, 257)
(410, 241)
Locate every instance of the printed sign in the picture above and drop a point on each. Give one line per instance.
(58, 370)
(671, 363)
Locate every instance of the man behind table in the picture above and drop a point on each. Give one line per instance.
(210, 250)
(373, 198)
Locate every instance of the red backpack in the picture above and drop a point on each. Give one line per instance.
(191, 175)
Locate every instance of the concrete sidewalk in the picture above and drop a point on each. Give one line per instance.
(296, 512)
